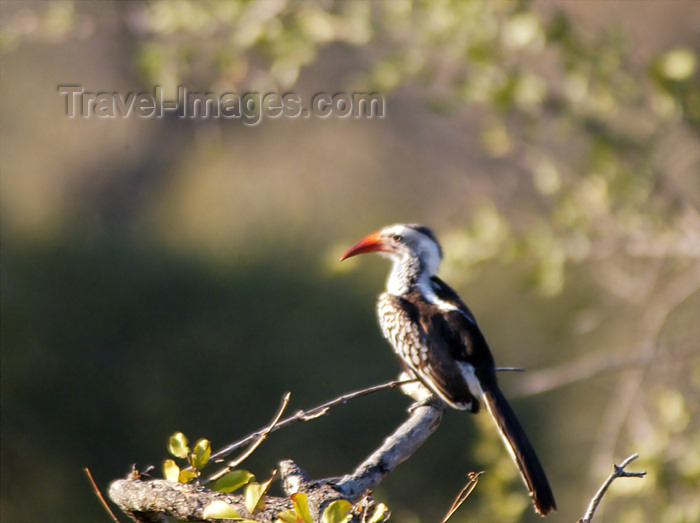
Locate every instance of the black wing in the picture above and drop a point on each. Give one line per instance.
(479, 355)
(466, 335)
(427, 346)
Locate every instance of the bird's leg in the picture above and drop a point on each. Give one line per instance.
(418, 392)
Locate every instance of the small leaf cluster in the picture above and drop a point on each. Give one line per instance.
(338, 511)
(253, 494)
(197, 458)
(178, 446)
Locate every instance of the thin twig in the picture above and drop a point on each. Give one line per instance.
(473, 479)
(318, 411)
(256, 443)
(99, 495)
(306, 415)
(618, 472)
(659, 307)
(585, 368)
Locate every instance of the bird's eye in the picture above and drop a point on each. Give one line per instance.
(397, 238)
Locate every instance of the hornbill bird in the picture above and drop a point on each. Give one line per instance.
(436, 340)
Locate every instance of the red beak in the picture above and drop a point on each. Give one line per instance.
(372, 243)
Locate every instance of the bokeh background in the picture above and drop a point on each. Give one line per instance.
(163, 275)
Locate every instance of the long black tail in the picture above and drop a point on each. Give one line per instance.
(521, 450)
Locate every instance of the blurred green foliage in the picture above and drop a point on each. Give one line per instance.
(584, 118)
(107, 335)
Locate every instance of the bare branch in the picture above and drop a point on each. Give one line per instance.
(150, 501)
(657, 311)
(421, 423)
(618, 472)
(256, 443)
(472, 480)
(306, 415)
(585, 368)
(99, 495)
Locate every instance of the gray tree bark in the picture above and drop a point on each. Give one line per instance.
(151, 501)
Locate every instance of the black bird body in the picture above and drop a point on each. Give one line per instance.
(437, 344)
(437, 340)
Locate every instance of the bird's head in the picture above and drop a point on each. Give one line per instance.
(408, 244)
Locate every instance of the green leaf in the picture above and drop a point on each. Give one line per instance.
(288, 516)
(254, 493)
(218, 509)
(301, 507)
(186, 476)
(177, 445)
(337, 512)
(201, 453)
(171, 471)
(232, 481)
(381, 513)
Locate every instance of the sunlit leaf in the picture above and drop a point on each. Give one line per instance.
(381, 513)
(337, 512)
(220, 510)
(301, 507)
(288, 516)
(254, 496)
(177, 445)
(201, 453)
(232, 481)
(186, 476)
(171, 471)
